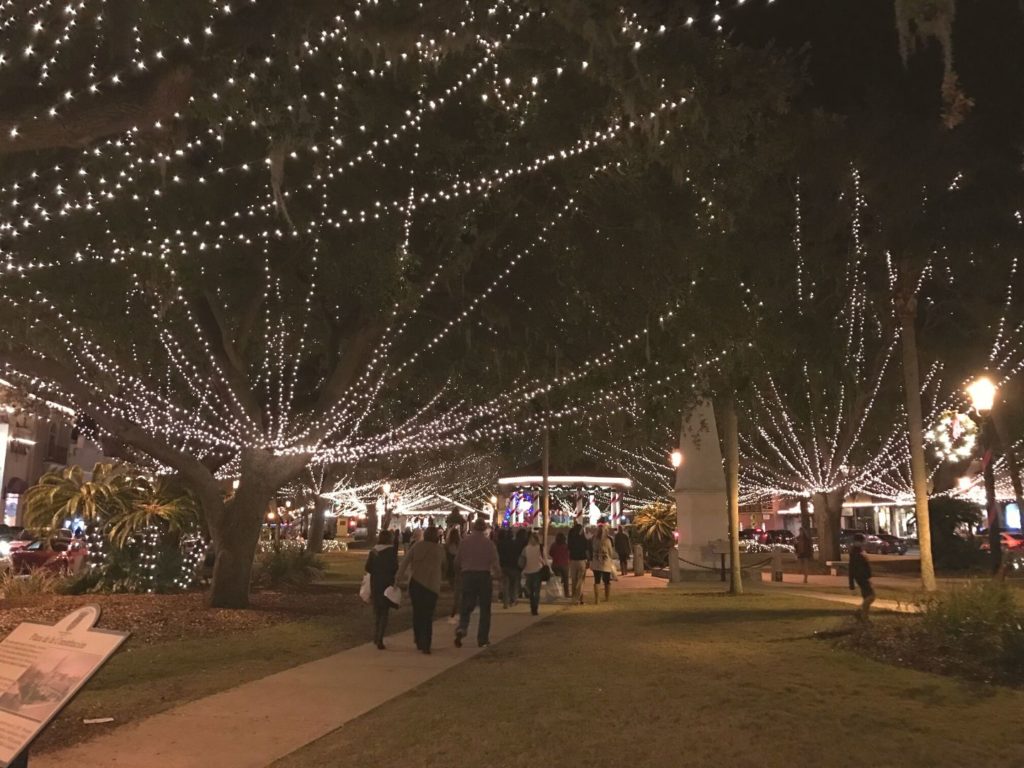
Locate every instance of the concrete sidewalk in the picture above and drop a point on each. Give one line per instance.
(258, 722)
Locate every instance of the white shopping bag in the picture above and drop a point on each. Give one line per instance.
(394, 596)
(364, 589)
(553, 590)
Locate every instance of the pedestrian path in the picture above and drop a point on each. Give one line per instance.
(259, 722)
(896, 606)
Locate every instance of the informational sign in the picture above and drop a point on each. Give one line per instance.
(41, 670)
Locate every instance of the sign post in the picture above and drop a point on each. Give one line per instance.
(41, 670)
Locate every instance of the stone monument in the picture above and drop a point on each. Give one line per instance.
(701, 501)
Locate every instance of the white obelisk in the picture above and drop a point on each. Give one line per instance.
(701, 502)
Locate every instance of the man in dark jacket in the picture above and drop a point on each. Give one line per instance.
(860, 574)
(622, 548)
(579, 554)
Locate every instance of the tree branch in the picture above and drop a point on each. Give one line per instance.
(192, 470)
(211, 317)
(349, 364)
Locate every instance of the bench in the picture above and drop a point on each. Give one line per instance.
(835, 565)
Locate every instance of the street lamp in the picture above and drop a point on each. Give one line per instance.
(983, 396)
(677, 458)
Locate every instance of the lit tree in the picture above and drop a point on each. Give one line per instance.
(243, 240)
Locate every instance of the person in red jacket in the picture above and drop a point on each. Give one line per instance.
(558, 553)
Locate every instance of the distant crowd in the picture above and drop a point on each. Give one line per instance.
(473, 560)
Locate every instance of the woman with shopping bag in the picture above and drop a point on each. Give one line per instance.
(382, 565)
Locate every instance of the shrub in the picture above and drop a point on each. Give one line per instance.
(980, 621)
(952, 551)
(38, 581)
(974, 631)
(286, 567)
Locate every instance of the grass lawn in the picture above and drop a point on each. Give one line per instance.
(180, 650)
(682, 678)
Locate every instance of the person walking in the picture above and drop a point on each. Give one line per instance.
(558, 553)
(602, 560)
(454, 577)
(804, 548)
(421, 571)
(382, 565)
(533, 562)
(622, 549)
(509, 551)
(860, 574)
(478, 561)
(579, 554)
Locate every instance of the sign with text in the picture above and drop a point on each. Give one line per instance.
(42, 668)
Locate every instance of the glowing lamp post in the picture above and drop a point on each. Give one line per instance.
(676, 458)
(983, 396)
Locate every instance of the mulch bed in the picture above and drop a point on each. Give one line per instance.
(160, 618)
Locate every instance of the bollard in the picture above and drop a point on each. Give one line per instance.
(638, 560)
(673, 565)
(722, 554)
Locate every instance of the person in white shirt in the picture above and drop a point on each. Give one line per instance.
(533, 562)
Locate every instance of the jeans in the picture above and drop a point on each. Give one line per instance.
(381, 609)
(623, 564)
(578, 574)
(510, 584)
(533, 591)
(562, 572)
(476, 589)
(456, 585)
(423, 604)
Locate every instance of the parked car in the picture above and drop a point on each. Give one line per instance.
(873, 545)
(66, 556)
(8, 535)
(778, 536)
(1010, 541)
(897, 545)
(751, 534)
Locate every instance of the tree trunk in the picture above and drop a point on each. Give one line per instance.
(995, 539)
(828, 516)
(235, 536)
(546, 502)
(906, 308)
(372, 524)
(805, 514)
(315, 540)
(732, 484)
(235, 526)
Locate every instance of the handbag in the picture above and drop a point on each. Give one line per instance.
(545, 572)
(365, 593)
(393, 595)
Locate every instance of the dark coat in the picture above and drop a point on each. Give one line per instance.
(622, 544)
(579, 547)
(860, 568)
(382, 565)
(509, 551)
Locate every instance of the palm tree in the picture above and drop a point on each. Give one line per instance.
(656, 524)
(152, 502)
(64, 494)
